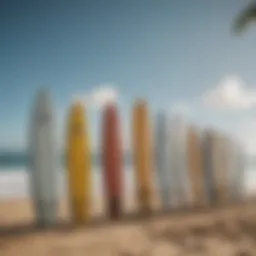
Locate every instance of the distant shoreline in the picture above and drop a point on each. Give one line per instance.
(20, 159)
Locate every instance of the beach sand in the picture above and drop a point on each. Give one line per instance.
(221, 231)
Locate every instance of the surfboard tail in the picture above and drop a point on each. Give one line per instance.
(46, 212)
(114, 208)
(80, 211)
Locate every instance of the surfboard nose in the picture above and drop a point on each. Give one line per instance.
(43, 101)
(162, 119)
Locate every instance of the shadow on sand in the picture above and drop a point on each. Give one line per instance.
(30, 228)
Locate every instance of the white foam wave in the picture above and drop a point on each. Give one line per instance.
(15, 183)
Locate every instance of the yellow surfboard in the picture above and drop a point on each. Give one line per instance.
(79, 164)
(195, 167)
(142, 154)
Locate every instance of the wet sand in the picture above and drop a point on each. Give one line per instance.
(227, 230)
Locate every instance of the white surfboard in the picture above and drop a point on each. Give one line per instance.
(236, 171)
(42, 161)
(195, 166)
(241, 167)
(180, 185)
(224, 162)
(162, 158)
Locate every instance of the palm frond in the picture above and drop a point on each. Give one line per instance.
(247, 16)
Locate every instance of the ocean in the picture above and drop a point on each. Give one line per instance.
(14, 176)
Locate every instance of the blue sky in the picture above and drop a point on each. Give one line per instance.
(170, 52)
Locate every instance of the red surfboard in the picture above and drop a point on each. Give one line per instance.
(112, 157)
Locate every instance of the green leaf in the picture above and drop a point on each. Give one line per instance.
(246, 17)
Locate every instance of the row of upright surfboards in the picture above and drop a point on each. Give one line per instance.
(193, 168)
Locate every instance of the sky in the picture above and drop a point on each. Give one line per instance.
(180, 55)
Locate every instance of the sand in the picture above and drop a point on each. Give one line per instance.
(222, 231)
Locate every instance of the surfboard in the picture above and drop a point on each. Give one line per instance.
(79, 164)
(230, 165)
(241, 162)
(208, 165)
(219, 171)
(162, 157)
(223, 152)
(180, 183)
(142, 155)
(195, 167)
(42, 156)
(112, 156)
(236, 171)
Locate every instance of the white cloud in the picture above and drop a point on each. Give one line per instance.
(231, 93)
(99, 96)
